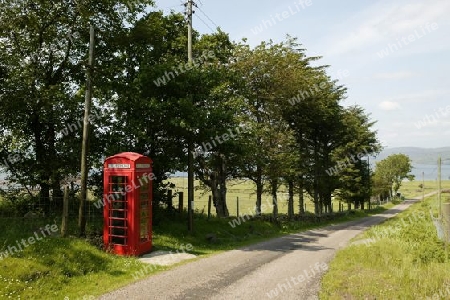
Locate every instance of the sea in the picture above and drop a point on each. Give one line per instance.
(430, 172)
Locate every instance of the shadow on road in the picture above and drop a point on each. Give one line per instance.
(290, 243)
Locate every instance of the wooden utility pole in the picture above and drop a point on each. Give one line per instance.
(369, 182)
(190, 134)
(439, 187)
(423, 186)
(84, 149)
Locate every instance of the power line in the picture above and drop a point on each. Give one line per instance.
(205, 23)
(193, 4)
(207, 17)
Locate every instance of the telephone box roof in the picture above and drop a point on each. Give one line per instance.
(132, 156)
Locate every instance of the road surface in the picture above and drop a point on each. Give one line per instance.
(289, 267)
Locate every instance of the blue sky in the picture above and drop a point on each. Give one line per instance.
(393, 56)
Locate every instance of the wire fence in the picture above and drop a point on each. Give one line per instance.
(442, 222)
(240, 202)
(38, 207)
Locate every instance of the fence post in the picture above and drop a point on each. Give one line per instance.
(65, 215)
(209, 206)
(180, 202)
(446, 220)
(237, 207)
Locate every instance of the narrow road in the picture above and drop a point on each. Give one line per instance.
(288, 267)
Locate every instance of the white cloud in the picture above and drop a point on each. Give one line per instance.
(388, 105)
(384, 22)
(400, 125)
(395, 75)
(421, 133)
(411, 16)
(426, 96)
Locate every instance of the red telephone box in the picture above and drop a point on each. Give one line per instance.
(127, 192)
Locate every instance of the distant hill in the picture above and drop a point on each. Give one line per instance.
(423, 156)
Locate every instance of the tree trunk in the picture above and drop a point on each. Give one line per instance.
(274, 184)
(301, 197)
(317, 203)
(53, 164)
(42, 161)
(291, 200)
(44, 194)
(219, 200)
(316, 197)
(223, 186)
(259, 191)
(57, 193)
(216, 195)
(216, 181)
(328, 206)
(327, 181)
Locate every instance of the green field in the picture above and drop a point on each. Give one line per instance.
(411, 189)
(245, 190)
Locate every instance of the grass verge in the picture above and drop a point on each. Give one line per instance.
(399, 259)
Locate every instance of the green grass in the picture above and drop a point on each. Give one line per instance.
(55, 267)
(405, 260)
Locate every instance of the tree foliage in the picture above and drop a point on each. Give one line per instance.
(268, 113)
(390, 172)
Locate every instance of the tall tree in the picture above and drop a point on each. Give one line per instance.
(350, 159)
(43, 51)
(393, 170)
(264, 78)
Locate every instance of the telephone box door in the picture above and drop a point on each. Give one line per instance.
(118, 213)
(144, 195)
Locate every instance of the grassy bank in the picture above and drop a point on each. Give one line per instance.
(399, 259)
(73, 268)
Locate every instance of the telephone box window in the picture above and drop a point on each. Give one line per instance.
(144, 218)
